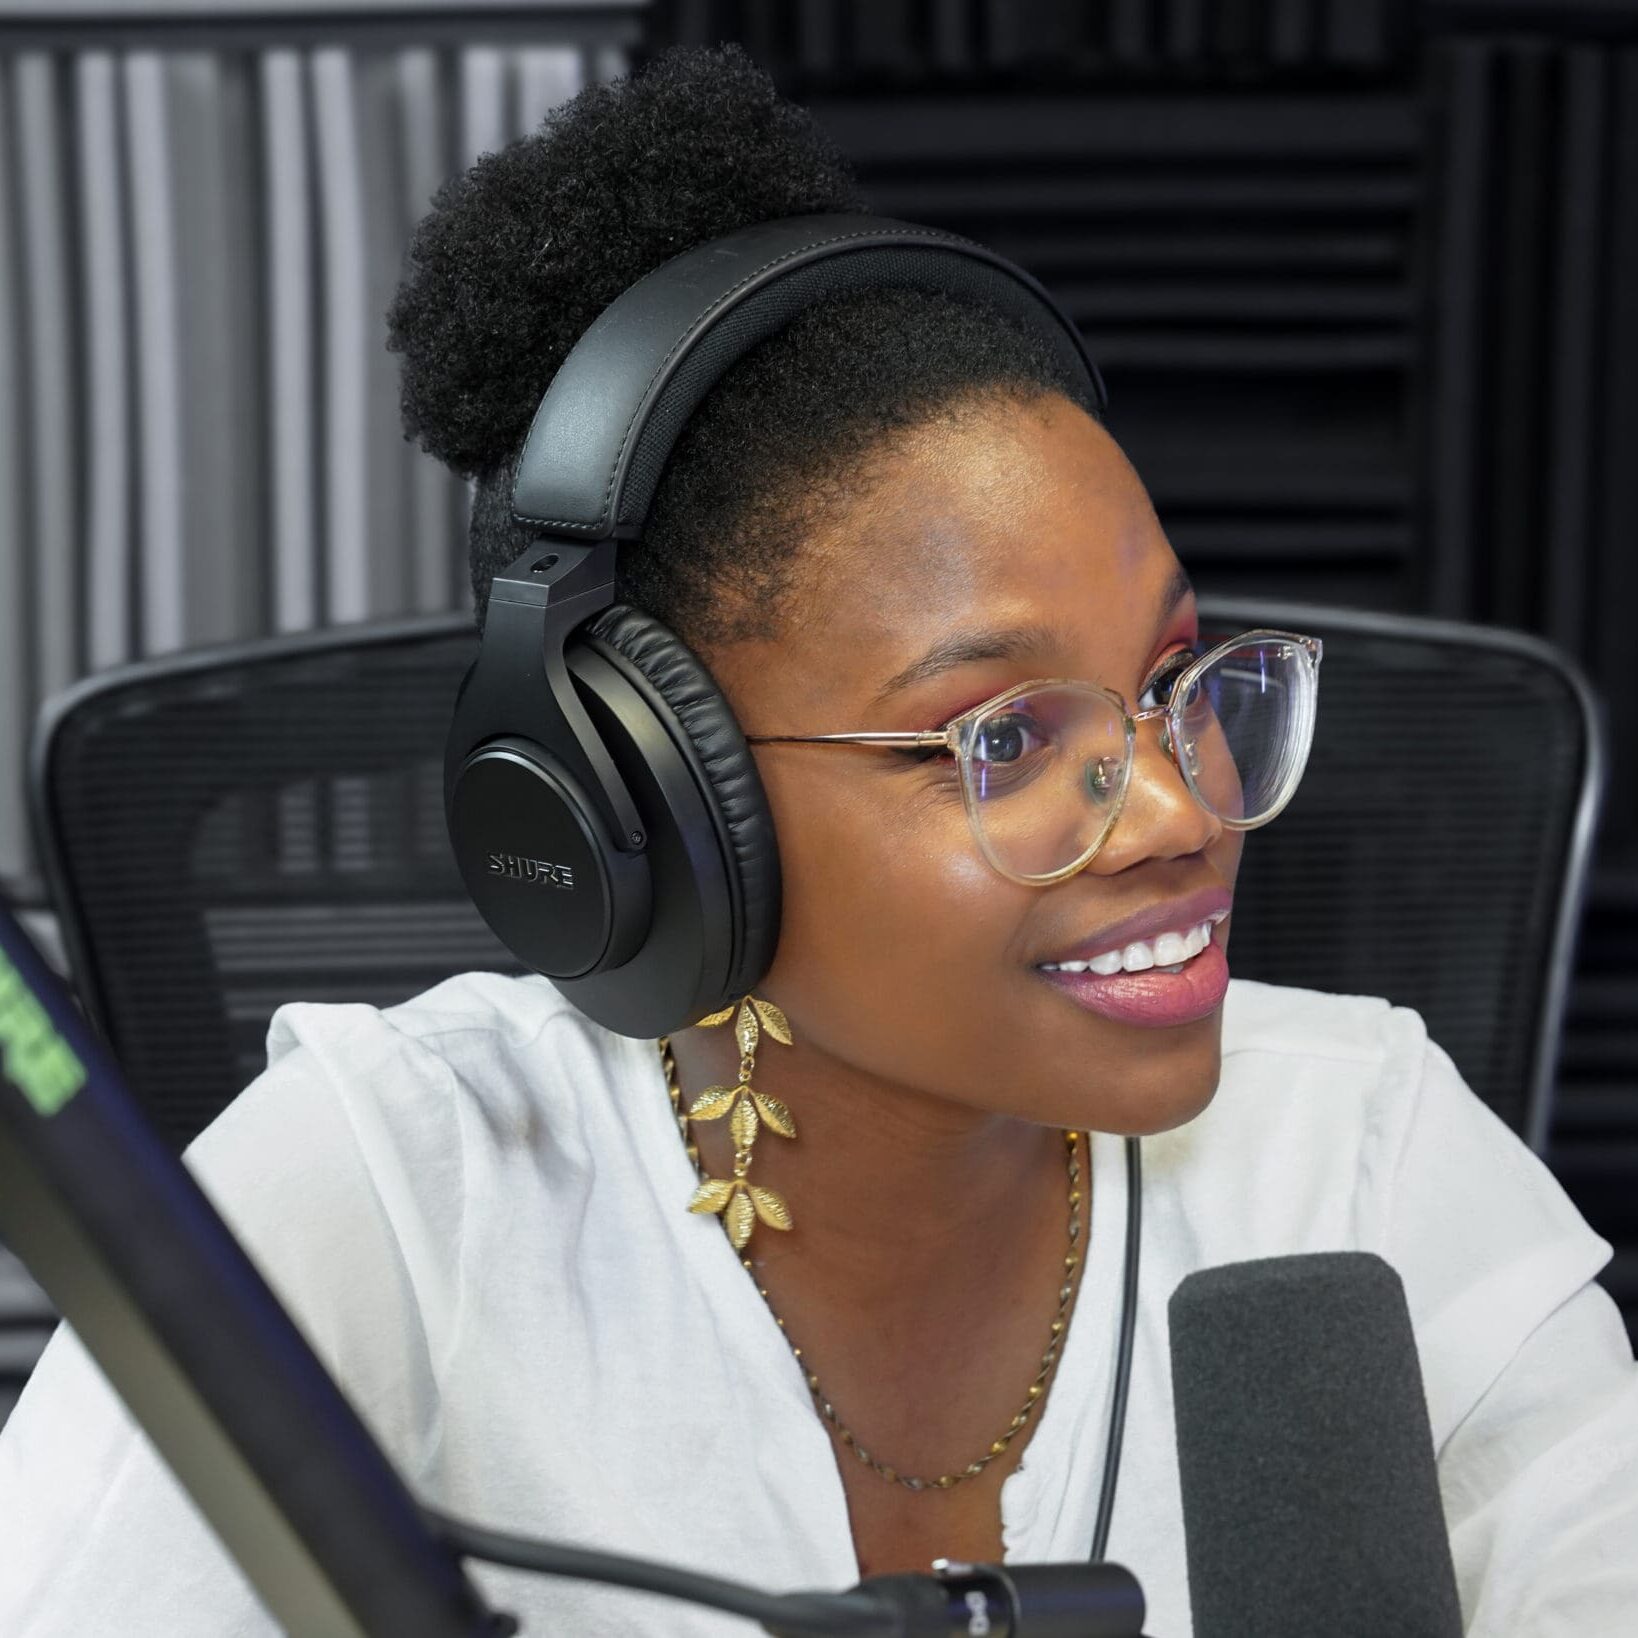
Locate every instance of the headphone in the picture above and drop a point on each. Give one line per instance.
(606, 814)
(605, 810)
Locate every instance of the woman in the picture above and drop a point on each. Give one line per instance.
(894, 516)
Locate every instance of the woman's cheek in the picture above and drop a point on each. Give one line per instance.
(864, 892)
(922, 882)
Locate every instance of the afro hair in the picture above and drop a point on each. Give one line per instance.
(519, 255)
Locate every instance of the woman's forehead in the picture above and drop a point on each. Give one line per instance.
(1022, 518)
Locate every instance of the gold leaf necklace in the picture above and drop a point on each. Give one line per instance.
(1037, 1388)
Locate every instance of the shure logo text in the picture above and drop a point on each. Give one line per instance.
(539, 871)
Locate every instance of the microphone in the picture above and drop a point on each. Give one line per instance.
(127, 1246)
(1310, 1493)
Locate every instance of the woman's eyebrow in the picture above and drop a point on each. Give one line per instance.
(1010, 643)
(1177, 588)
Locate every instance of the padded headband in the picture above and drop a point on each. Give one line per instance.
(613, 413)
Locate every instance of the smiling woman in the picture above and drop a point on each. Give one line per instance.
(1029, 518)
(825, 1280)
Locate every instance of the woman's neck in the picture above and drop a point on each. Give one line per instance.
(899, 1199)
(922, 1284)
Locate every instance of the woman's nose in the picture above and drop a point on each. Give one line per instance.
(1161, 817)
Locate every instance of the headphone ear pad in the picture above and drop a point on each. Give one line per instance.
(700, 719)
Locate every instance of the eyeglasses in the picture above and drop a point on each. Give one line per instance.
(1045, 766)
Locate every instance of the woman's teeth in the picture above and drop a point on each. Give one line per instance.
(1168, 952)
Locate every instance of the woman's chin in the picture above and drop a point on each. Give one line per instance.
(1146, 1092)
(1163, 1114)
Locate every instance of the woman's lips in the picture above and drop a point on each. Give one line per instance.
(1211, 905)
(1152, 999)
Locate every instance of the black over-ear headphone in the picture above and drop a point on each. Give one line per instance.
(606, 813)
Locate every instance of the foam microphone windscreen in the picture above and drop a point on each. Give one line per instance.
(1310, 1495)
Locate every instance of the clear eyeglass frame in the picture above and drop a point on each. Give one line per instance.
(957, 736)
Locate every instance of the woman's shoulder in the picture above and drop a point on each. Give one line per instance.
(503, 1051)
(1321, 1070)
(485, 1015)
(393, 1112)
(357, 1164)
(1339, 1124)
(1338, 1121)
(1310, 1061)
(1283, 1021)
(1353, 1081)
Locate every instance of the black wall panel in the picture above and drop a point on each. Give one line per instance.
(1363, 275)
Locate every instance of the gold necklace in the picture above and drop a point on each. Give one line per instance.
(1037, 1388)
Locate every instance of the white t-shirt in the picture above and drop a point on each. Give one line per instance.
(474, 1202)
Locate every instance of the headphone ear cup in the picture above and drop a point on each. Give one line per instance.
(691, 708)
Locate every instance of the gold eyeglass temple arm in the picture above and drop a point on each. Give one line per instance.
(928, 737)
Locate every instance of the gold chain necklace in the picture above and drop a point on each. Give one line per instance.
(1037, 1388)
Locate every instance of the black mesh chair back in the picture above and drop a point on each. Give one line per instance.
(232, 829)
(1437, 851)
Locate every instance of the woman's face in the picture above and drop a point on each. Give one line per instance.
(902, 952)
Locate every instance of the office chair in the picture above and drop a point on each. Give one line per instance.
(1437, 852)
(233, 828)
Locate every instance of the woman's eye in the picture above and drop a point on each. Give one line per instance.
(1157, 691)
(1007, 738)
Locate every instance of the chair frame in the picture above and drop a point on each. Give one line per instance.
(1577, 861)
(58, 874)
(60, 882)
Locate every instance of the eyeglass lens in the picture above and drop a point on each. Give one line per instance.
(1046, 771)
(1045, 776)
(1248, 722)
